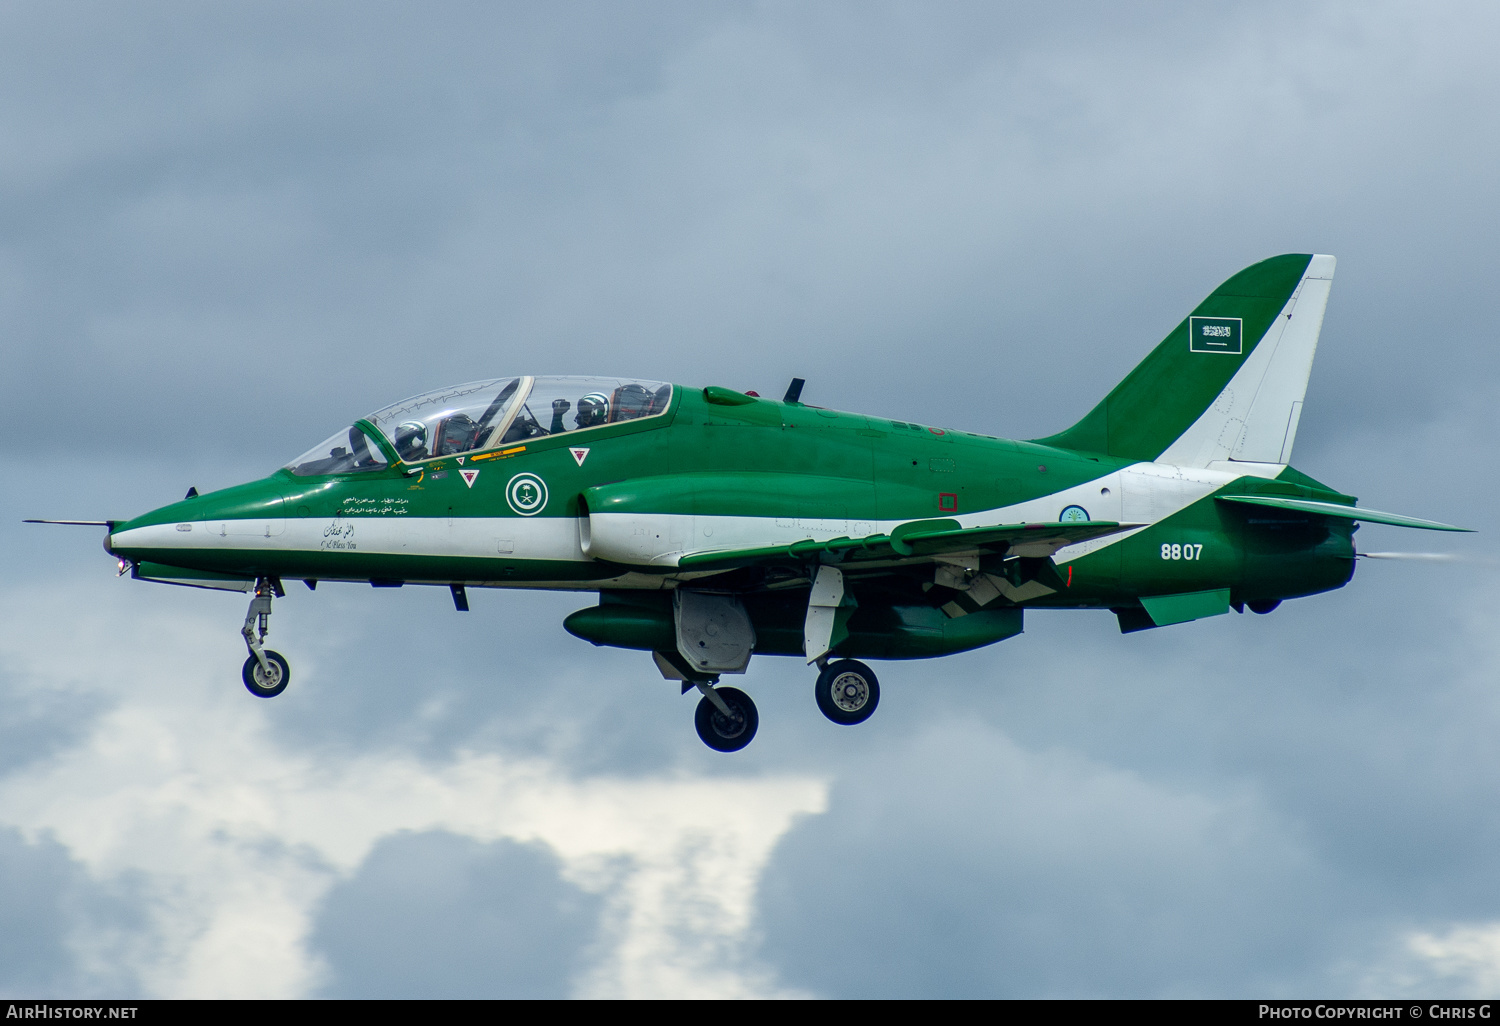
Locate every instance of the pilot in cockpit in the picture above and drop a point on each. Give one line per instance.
(411, 441)
(593, 409)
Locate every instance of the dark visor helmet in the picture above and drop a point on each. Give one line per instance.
(411, 441)
(592, 409)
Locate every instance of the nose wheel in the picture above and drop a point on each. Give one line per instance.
(270, 680)
(847, 692)
(726, 718)
(266, 673)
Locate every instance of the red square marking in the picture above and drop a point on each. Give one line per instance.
(947, 502)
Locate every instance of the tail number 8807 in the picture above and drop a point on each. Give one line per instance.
(1175, 551)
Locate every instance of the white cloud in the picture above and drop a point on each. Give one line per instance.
(1466, 958)
(1461, 960)
(231, 837)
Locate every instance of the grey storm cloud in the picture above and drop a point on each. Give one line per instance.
(436, 916)
(227, 230)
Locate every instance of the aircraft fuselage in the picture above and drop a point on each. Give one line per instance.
(711, 475)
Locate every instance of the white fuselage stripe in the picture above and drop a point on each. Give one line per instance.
(552, 538)
(1143, 493)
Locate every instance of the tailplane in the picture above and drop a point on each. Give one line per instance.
(1228, 382)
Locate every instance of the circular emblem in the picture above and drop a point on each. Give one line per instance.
(1073, 515)
(527, 494)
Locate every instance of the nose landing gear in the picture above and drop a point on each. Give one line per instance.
(266, 673)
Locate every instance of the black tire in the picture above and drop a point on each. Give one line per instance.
(848, 692)
(255, 678)
(727, 735)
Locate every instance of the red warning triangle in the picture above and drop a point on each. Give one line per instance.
(580, 455)
(468, 476)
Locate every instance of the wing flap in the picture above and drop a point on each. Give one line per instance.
(1018, 539)
(919, 539)
(1334, 509)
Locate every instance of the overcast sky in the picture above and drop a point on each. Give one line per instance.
(226, 230)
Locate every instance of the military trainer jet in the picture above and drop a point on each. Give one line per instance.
(714, 525)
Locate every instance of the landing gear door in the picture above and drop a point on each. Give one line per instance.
(714, 632)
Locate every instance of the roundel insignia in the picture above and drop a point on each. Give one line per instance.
(1073, 515)
(526, 494)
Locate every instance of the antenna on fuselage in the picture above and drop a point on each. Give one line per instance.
(794, 391)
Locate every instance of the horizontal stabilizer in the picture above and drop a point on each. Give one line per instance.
(77, 523)
(923, 538)
(1334, 509)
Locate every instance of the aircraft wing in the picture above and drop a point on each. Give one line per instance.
(929, 538)
(1334, 509)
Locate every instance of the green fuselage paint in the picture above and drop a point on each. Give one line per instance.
(1171, 500)
(706, 476)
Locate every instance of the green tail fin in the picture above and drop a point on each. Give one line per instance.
(1228, 382)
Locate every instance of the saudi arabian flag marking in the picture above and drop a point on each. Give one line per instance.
(1215, 335)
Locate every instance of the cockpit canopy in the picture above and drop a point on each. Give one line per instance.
(485, 415)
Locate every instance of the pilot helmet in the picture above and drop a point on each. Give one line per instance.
(592, 409)
(411, 440)
(632, 401)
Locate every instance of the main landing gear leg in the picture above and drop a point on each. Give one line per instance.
(266, 673)
(726, 718)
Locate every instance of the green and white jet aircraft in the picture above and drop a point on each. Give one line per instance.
(715, 524)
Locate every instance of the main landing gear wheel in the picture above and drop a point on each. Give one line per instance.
(848, 692)
(267, 685)
(727, 733)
